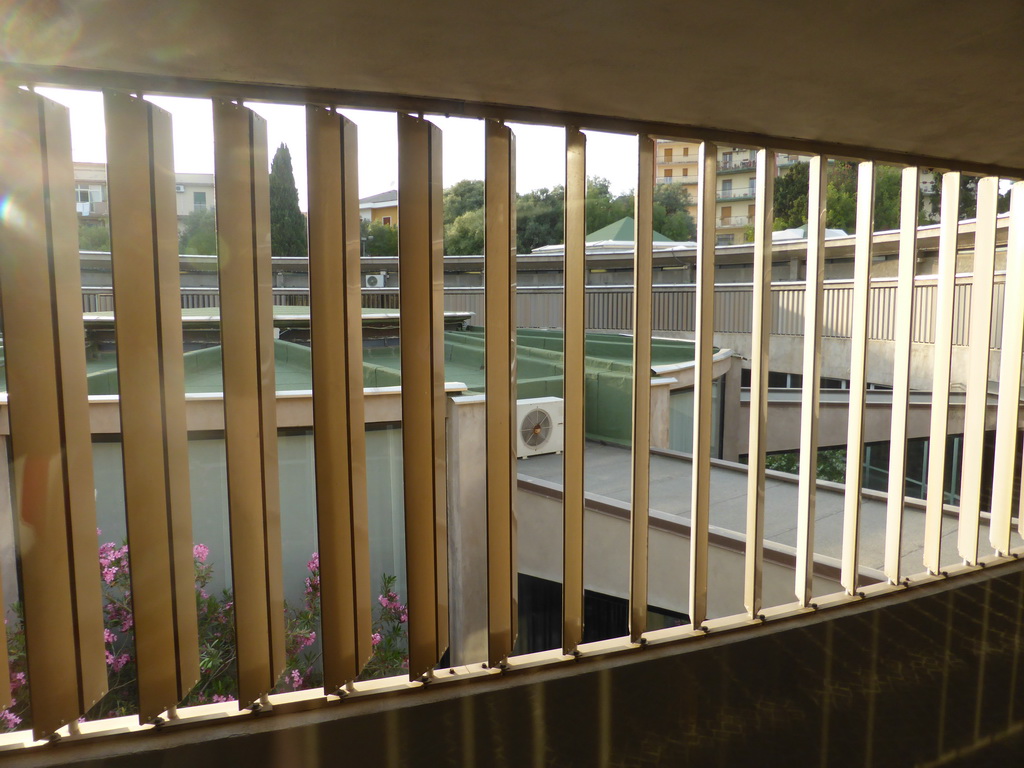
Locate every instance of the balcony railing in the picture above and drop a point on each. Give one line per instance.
(735, 221)
(677, 160)
(676, 180)
(733, 166)
(50, 427)
(735, 194)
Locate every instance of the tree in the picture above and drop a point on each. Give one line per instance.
(672, 217)
(465, 235)
(462, 197)
(602, 207)
(539, 218)
(463, 218)
(92, 236)
(381, 239)
(287, 224)
(791, 197)
(199, 234)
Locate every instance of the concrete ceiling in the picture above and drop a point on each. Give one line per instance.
(943, 79)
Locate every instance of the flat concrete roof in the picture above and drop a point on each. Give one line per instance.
(607, 470)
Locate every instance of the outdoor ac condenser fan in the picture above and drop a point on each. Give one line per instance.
(540, 426)
(536, 428)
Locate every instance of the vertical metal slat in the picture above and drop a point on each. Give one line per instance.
(641, 438)
(243, 242)
(339, 431)
(500, 350)
(575, 318)
(40, 289)
(858, 368)
(814, 301)
(764, 215)
(704, 313)
(420, 246)
(151, 387)
(943, 347)
(977, 377)
(904, 317)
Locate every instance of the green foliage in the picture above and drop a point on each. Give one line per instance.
(790, 199)
(540, 218)
(791, 190)
(199, 234)
(390, 645)
(465, 235)
(218, 662)
(831, 463)
(287, 224)
(540, 214)
(888, 183)
(381, 239)
(462, 197)
(602, 207)
(671, 212)
(968, 204)
(93, 236)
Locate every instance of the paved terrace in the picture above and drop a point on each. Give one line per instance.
(607, 470)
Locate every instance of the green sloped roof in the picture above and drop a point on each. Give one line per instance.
(621, 230)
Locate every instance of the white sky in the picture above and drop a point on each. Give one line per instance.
(540, 151)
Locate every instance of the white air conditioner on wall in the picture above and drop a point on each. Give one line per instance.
(376, 280)
(179, 187)
(540, 424)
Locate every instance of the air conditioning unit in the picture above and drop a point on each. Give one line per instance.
(540, 422)
(376, 280)
(179, 187)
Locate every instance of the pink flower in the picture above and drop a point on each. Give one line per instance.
(120, 661)
(17, 680)
(383, 601)
(108, 636)
(200, 552)
(109, 573)
(218, 698)
(404, 617)
(296, 679)
(9, 720)
(375, 638)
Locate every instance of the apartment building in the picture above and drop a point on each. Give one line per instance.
(734, 198)
(192, 192)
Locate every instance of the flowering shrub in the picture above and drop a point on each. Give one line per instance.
(390, 648)
(217, 651)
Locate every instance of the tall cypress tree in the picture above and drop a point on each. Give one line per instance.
(287, 224)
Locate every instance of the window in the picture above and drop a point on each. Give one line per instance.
(385, 220)
(723, 240)
(88, 193)
(686, 171)
(750, 210)
(727, 159)
(668, 155)
(199, 201)
(668, 173)
(726, 212)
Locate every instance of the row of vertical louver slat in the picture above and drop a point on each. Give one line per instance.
(50, 431)
(45, 365)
